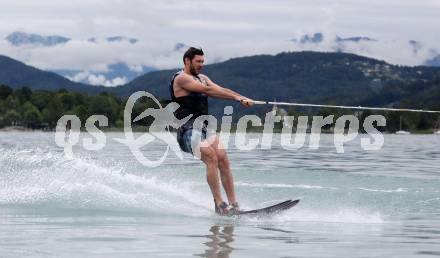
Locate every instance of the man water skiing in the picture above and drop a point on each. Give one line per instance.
(190, 90)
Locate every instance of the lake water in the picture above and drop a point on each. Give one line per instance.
(106, 204)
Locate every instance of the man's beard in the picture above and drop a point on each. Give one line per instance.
(192, 70)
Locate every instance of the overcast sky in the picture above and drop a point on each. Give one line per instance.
(224, 29)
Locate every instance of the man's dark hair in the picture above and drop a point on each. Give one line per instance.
(191, 53)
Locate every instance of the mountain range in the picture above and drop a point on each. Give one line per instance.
(19, 38)
(121, 72)
(319, 38)
(16, 74)
(308, 77)
(338, 44)
(118, 73)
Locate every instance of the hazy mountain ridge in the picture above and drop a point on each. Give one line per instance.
(17, 74)
(312, 77)
(119, 71)
(21, 38)
(305, 77)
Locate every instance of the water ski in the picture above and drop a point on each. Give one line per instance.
(273, 209)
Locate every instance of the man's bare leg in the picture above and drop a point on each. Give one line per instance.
(209, 157)
(227, 179)
(225, 170)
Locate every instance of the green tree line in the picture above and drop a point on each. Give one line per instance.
(41, 109)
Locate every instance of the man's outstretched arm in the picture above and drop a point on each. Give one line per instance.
(212, 90)
(225, 93)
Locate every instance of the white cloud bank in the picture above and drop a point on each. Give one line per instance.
(224, 29)
(97, 79)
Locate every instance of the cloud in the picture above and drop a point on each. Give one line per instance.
(390, 50)
(224, 29)
(101, 80)
(97, 79)
(186, 19)
(79, 77)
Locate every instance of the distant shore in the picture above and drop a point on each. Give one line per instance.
(233, 130)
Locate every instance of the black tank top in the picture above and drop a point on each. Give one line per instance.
(195, 103)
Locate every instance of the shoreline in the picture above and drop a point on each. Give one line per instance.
(144, 129)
